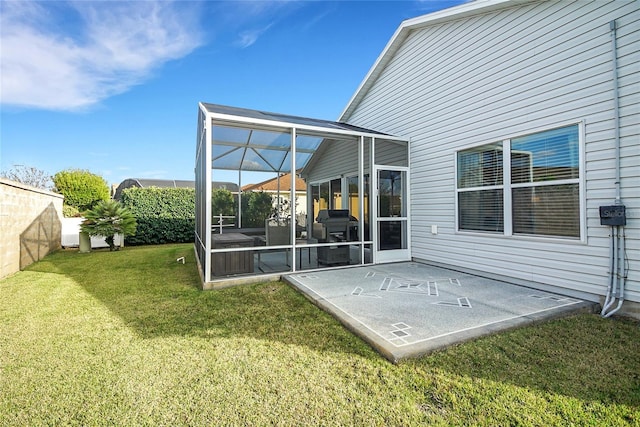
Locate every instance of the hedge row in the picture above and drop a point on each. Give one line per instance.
(164, 215)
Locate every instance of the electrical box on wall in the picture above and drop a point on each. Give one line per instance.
(613, 215)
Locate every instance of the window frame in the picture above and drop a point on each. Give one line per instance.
(330, 202)
(507, 187)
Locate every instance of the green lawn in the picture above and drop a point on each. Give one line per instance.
(127, 338)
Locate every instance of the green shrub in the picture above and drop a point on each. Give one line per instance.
(167, 215)
(223, 202)
(70, 212)
(164, 215)
(256, 207)
(81, 188)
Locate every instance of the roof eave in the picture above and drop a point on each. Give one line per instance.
(279, 124)
(456, 12)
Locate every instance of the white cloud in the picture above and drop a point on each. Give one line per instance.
(249, 37)
(105, 49)
(312, 21)
(250, 20)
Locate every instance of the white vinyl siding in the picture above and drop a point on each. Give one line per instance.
(338, 158)
(391, 153)
(511, 72)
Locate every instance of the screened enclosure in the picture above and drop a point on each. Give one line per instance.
(335, 221)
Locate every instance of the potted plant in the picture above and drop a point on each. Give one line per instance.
(107, 219)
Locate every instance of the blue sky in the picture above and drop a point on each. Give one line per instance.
(113, 87)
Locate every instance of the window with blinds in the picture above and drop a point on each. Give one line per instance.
(533, 181)
(480, 188)
(480, 166)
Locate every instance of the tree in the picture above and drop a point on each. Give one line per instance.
(257, 206)
(107, 219)
(29, 175)
(222, 202)
(81, 188)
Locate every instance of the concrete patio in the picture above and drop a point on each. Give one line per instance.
(409, 309)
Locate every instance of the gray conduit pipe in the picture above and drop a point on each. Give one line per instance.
(620, 273)
(616, 105)
(614, 274)
(613, 291)
(611, 274)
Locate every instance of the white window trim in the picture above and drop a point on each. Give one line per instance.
(507, 186)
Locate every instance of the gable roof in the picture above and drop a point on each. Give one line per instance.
(272, 184)
(406, 27)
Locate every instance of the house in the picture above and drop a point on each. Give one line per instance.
(514, 111)
(522, 121)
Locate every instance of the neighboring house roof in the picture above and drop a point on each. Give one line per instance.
(168, 183)
(406, 27)
(272, 184)
(164, 183)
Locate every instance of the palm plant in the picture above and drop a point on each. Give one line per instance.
(107, 219)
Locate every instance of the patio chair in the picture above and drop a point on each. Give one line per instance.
(278, 233)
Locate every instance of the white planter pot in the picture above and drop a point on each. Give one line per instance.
(71, 235)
